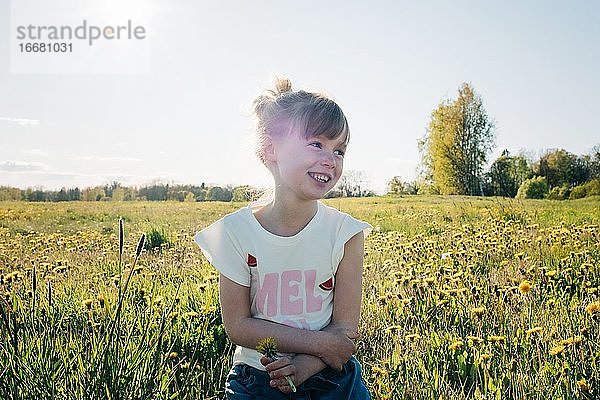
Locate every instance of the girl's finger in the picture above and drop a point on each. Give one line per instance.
(264, 360)
(282, 383)
(277, 364)
(281, 372)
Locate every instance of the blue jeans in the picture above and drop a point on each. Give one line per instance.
(248, 383)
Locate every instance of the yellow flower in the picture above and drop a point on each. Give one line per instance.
(88, 303)
(190, 314)
(557, 350)
(101, 300)
(570, 341)
(456, 345)
(485, 357)
(533, 330)
(379, 371)
(496, 338)
(583, 385)
(173, 354)
(525, 287)
(593, 307)
(478, 311)
(474, 340)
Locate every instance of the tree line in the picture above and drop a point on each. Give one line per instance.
(117, 192)
(352, 184)
(454, 160)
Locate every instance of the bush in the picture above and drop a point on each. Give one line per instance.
(592, 188)
(559, 193)
(578, 192)
(534, 188)
(156, 239)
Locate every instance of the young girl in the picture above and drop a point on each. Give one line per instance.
(291, 267)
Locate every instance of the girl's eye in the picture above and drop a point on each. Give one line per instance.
(340, 153)
(316, 144)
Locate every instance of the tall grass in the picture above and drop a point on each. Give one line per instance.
(464, 298)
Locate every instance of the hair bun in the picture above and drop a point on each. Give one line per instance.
(282, 86)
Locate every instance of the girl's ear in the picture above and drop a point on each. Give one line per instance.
(269, 150)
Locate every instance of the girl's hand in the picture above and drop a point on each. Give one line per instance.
(278, 371)
(339, 347)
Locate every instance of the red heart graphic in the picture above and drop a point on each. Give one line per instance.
(327, 285)
(251, 260)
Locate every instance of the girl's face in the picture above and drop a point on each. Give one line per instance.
(307, 167)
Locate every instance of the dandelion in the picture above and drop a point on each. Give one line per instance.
(593, 307)
(190, 314)
(484, 357)
(533, 330)
(524, 287)
(88, 303)
(101, 301)
(556, 350)
(173, 354)
(571, 341)
(268, 348)
(583, 385)
(478, 311)
(455, 345)
(379, 371)
(392, 328)
(474, 340)
(496, 338)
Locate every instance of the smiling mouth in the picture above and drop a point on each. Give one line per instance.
(320, 177)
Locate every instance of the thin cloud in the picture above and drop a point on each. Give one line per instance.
(20, 121)
(36, 152)
(54, 180)
(19, 166)
(398, 160)
(99, 158)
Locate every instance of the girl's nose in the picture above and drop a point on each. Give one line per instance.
(328, 160)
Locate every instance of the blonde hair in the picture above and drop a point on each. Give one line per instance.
(281, 111)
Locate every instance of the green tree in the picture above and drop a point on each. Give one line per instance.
(534, 188)
(10, 193)
(397, 186)
(244, 193)
(217, 193)
(118, 194)
(594, 158)
(93, 194)
(507, 173)
(455, 149)
(562, 167)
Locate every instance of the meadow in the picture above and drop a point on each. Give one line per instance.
(464, 298)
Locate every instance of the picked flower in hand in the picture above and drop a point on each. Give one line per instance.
(268, 348)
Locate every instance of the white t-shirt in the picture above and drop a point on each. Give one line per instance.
(291, 278)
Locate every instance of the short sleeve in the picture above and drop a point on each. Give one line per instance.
(350, 226)
(223, 251)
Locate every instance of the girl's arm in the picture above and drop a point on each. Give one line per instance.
(346, 312)
(334, 347)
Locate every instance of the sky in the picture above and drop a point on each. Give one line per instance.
(175, 106)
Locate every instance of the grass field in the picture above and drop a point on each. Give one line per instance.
(463, 298)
